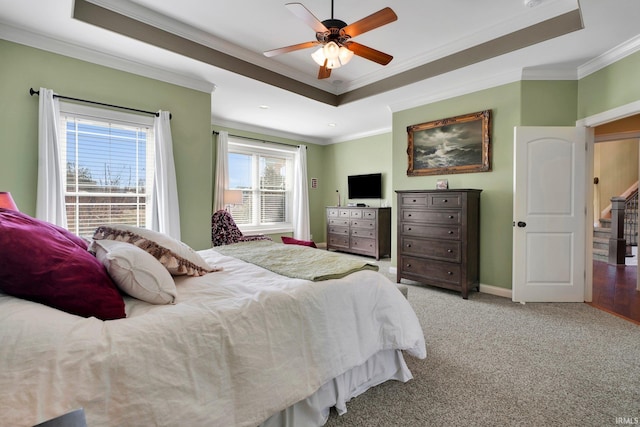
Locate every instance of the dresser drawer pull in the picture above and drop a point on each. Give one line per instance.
(449, 251)
(450, 232)
(450, 273)
(414, 200)
(408, 245)
(409, 229)
(408, 265)
(445, 201)
(450, 216)
(409, 215)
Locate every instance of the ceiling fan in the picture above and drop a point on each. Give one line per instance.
(334, 36)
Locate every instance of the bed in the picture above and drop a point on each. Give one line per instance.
(239, 345)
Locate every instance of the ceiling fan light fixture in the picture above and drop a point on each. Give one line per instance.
(345, 55)
(318, 57)
(336, 56)
(331, 50)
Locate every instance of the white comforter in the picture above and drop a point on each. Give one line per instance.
(238, 346)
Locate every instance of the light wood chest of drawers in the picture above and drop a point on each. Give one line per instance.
(358, 230)
(439, 238)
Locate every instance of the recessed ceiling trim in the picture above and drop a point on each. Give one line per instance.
(551, 28)
(537, 33)
(121, 24)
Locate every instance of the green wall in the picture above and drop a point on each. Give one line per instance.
(539, 103)
(359, 156)
(549, 103)
(496, 199)
(613, 86)
(23, 67)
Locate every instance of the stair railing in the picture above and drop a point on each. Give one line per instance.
(631, 222)
(617, 242)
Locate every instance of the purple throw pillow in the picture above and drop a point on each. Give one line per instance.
(42, 263)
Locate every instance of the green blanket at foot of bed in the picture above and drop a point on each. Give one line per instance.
(295, 261)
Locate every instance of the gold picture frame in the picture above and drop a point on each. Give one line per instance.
(458, 144)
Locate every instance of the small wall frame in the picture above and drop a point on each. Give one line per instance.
(458, 144)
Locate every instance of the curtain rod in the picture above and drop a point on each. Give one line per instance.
(215, 132)
(37, 92)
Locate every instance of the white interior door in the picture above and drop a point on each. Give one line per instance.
(549, 214)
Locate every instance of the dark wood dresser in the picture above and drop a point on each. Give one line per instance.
(358, 230)
(439, 238)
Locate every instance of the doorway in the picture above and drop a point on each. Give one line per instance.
(616, 288)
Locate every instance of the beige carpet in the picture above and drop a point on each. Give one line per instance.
(492, 362)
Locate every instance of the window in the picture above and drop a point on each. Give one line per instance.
(109, 158)
(264, 173)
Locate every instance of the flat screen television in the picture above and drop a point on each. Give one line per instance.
(365, 186)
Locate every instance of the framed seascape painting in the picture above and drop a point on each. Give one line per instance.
(454, 145)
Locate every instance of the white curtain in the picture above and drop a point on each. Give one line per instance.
(50, 204)
(301, 228)
(165, 207)
(222, 171)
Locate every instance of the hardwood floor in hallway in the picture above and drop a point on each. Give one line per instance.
(614, 290)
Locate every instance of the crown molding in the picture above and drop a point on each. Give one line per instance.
(458, 90)
(550, 73)
(611, 56)
(72, 50)
(359, 135)
(217, 121)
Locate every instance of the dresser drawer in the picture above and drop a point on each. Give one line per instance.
(432, 216)
(363, 223)
(413, 200)
(338, 241)
(363, 245)
(364, 232)
(445, 200)
(341, 222)
(438, 271)
(344, 213)
(332, 213)
(446, 250)
(355, 213)
(433, 231)
(335, 229)
(369, 213)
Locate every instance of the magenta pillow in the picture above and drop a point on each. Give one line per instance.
(43, 264)
(291, 241)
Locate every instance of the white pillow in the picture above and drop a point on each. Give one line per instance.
(136, 272)
(176, 256)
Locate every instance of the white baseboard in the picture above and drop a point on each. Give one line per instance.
(495, 290)
(487, 289)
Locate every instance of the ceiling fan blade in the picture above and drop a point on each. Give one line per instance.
(369, 53)
(375, 20)
(303, 13)
(324, 72)
(286, 49)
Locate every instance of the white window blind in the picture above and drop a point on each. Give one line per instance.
(264, 173)
(109, 161)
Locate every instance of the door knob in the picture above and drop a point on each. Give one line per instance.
(522, 224)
